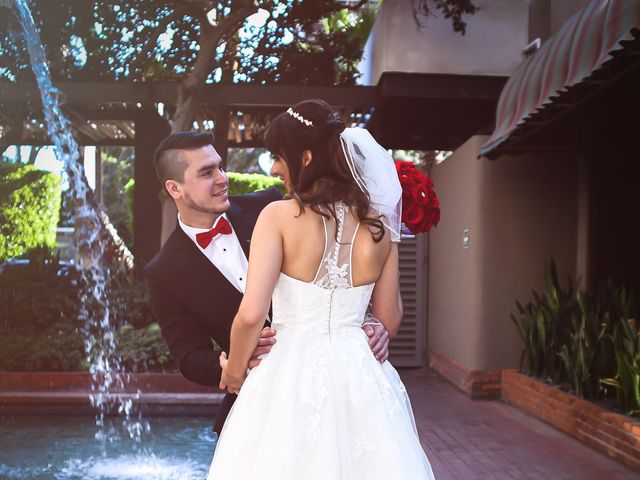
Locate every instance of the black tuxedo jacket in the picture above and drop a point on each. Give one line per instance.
(194, 303)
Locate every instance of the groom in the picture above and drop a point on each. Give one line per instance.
(197, 279)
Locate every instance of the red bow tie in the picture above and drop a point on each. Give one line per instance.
(222, 227)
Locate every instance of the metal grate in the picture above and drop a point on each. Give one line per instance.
(408, 348)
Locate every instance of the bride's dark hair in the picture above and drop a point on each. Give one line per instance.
(313, 125)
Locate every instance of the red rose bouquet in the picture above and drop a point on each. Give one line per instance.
(420, 204)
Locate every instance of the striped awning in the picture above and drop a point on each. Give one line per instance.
(571, 59)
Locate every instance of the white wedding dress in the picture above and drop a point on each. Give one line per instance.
(320, 406)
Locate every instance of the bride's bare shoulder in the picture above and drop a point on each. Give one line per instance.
(280, 210)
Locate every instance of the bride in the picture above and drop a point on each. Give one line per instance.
(320, 406)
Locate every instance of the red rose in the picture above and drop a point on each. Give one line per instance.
(420, 195)
(403, 167)
(427, 182)
(412, 216)
(420, 204)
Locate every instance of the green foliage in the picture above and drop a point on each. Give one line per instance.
(41, 326)
(625, 341)
(39, 308)
(29, 210)
(588, 340)
(128, 190)
(58, 347)
(143, 349)
(117, 178)
(240, 183)
(38, 295)
(302, 41)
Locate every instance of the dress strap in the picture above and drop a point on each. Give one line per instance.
(324, 252)
(353, 240)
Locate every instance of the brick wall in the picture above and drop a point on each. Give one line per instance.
(616, 435)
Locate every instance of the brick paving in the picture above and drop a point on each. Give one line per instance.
(488, 440)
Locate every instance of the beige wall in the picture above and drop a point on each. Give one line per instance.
(562, 10)
(492, 45)
(520, 212)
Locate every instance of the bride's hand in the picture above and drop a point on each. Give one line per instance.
(230, 381)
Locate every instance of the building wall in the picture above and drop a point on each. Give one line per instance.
(454, 291)
(492, 45)
(520, 211)
(561, 11)
(539, 19)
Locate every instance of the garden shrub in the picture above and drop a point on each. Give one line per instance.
(58, 348)
(37, 295)
(41, 328)
(29, 210)
(588, 341)
(241, 183)
(143, 349)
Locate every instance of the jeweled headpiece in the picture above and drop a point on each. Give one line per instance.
(299, 117)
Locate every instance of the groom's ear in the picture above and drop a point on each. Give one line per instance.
(173, 189)
(307, 157)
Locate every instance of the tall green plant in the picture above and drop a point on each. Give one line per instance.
(542, 325)
(625, 340)
(584, 341)
(589, 340)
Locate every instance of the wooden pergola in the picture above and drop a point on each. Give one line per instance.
(403, 111)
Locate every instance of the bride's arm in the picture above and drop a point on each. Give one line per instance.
(386, 301)
(265, 262)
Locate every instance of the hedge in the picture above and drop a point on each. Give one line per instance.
(29, 210)
(43, 331)
(241, 183)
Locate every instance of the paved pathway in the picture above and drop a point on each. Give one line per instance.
(488, 440)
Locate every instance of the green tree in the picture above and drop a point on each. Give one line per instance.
(300, 41)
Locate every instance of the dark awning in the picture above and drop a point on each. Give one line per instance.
(590, 50)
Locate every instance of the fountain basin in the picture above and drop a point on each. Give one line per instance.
(64, 448)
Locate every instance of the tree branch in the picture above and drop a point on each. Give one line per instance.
(205, 62)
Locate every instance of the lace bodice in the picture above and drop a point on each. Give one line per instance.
(334, 270)
(330, 302)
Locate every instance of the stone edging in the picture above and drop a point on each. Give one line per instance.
(68, 393)
(475, 383)
(613, 434)
(81, 382)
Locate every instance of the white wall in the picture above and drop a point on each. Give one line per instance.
(493, 44)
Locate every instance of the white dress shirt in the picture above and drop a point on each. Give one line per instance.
(224, 252)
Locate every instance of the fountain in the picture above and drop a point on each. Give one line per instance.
(100, 342)
(107, 395)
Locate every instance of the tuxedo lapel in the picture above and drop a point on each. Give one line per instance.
(196, 265)
(241, 222)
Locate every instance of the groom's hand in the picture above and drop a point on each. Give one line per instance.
(378, 338)
(265, 342)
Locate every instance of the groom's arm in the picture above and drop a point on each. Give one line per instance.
(190, 346)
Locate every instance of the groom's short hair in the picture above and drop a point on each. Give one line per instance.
(168, 159)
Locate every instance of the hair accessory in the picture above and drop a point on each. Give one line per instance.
(299, 117)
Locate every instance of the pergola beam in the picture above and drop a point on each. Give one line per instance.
(234, 95)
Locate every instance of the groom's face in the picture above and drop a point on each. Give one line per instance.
(204, 189)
